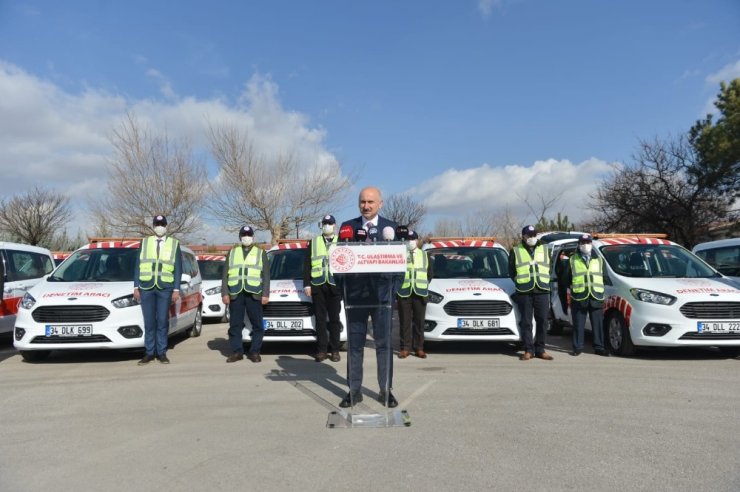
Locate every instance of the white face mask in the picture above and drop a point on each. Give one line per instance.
(327, 229)
(531, 241)
(160, 230)
(411, 245)
(247, 240)
(585, 249)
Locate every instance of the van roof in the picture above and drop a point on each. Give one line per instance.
(632, 238)
(23, 247)
(719, 243)
(290, 244)
(456, 242)
(210, 257)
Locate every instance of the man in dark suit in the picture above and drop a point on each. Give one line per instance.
(375, 291)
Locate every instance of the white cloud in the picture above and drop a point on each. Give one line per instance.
(727, 73)
(60, 140)
(457, 192)
(486, 7)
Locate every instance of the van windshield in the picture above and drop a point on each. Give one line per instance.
(211, 269)
(98, 265)
(469, 262)
(287, 264)
(654, 260)
(726, 260)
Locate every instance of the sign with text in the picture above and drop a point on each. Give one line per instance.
(367, 258)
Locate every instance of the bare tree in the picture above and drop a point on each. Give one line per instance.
(278, 194)
(403, 209)
(34, 217)
(150, 175)
(446, 227)
(656, 193)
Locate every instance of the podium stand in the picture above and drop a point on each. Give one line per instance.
(366, 273)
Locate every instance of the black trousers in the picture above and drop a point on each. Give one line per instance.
(411, 312)
(327, 303)
(538, 305)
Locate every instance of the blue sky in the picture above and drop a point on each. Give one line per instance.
(467, 104)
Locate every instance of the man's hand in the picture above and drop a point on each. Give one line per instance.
(137, 294)
(226, 299)
(265, 300)
(175, 295)
(307, 291)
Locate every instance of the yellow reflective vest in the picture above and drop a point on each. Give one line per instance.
(588, 280)
(320, 273)
(157, 271)
(531, 272)
(416, 279)
(245, 272)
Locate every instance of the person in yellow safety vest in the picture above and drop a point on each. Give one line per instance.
(412, 298)
(529, 268)
(319, 284)
(245, 288)
(585, 277)
(157, 275)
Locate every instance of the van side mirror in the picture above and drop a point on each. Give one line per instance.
(185, 279)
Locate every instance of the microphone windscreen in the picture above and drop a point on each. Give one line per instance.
(360, 235)
(388, 233)
(402, 232)
(346, 233)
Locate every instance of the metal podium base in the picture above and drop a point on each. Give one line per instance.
(345, 420)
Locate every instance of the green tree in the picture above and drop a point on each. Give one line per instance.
(717, 144)
(561, 223)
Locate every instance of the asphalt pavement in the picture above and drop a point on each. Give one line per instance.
(481, 419)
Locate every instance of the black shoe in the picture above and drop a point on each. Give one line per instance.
(575, 353)
(392, 402)
(163, 359)
(254, 357)
(350, 399)
(146, 360)
(602, 353)
(235, 357)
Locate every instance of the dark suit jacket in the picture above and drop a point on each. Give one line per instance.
(374, 288)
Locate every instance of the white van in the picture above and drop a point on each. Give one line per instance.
(723, 255)
(88, 302)
(470, 293)
(289, 316)
(25, 266)
(658, 294)
(212, 270)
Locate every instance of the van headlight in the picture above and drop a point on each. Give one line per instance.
(435, 298)
(125, 301)
(28, 301)
(653, 297)
(213, 290)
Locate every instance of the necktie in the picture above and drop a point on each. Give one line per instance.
(158, 243)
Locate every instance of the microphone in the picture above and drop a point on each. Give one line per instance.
(402, 232)
(388, 233)
(360, 235)
(346, 233)
(373, 232)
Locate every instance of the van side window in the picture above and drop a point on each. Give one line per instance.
(25, 265)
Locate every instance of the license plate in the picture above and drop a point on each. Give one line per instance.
(283, 324)
(718, 326)
(477, 323)
(68, 330)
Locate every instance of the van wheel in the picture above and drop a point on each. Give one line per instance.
(730, 352)
(35, 355)
(618, 335)
(555, 327)
(197, 327)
